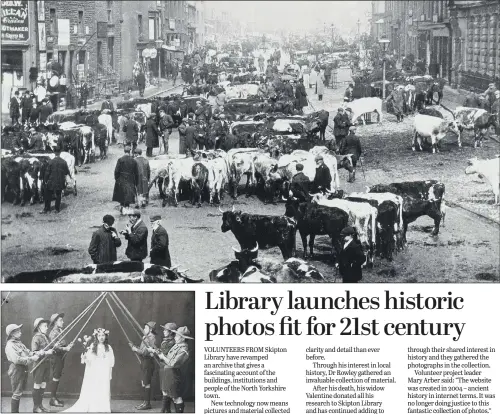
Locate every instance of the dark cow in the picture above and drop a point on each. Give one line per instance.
(313, 219)
(431, 112)
(199, 181)
(436, 87)
(100, 139)
(11, 177)
(232, 272)
(268, 231)
(475, 119)
(420, 198)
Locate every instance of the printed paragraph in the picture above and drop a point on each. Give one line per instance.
(233, 371)
(450, 380)
(345, 387)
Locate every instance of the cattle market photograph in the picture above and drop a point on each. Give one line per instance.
(210, 141)
(98, 352)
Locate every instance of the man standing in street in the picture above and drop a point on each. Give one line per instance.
(126, 178)
(165, 127)
(60, 350)
(104, 242)
(84, 95)
(141, 83)
(26, 107)
(300, 96)
(131, 130)
(322, 178)
(159, 244)
(341, 124)
(107, 104)
(323, 118)
(136, 233)
(14, 108)
(300, 185)
(351, 257)
(143, 179)
(55, 181)
(45, 111)
(190, 141)
(152, 134)
(351, 145)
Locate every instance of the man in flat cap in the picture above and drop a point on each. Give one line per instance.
(107, 104)
(19, 357)
(176, 358)
(341, 124)
(300, 185)
(60, 349)
(131, 130)
(40, 345)
(166, 345)
(147, 362)
(165, 127)
(143, 179)
(322, 178)
(126, 179)
(136, 233)
(105, 241)
(351, 145)
(351, 257)
(159, 243)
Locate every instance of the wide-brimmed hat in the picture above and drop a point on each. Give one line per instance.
(38, 321)
(11, 328)
(318, 157)
(155, 218)
(347, 231)
(183, 331)
(152, 325)
(134, 212)
(54, 317)
(352, 128)
(170, 326)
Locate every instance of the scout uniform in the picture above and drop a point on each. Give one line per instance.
(19, 357)
(57, 360)
(175, 359)
(41, 374)
(165, 347)
(147, 365)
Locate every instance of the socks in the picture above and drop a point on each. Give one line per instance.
(36, 397)
(54, 387)
(14, 405)
(40, 397)
(166, 404)
(147, 395)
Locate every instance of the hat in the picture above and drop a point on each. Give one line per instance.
(340, 109)
(11, 328)
(135, 212)
(54, 318)
(183, 331)
(138, 151)
(318, 157)
(108, 96)
(38, 321)
(127, 148)
(170, 326)
(155, 218)
(352, 128)
(299, 166)
(347, 231)
(108, 219)
(152, 325)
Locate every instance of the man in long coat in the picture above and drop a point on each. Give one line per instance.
(104, 242)
(288, 89)
(351, 257)
(126, 179)
(323, 177)
(190, 142)
(55, 181)
(131, 130)
(341, 125)
(351, 145)
(397, 96)
(141, 82)
(300, 95)
(159, 244)
(143, 178)
(14, 108)
(320, 85)
(136, 233)
(152, 134)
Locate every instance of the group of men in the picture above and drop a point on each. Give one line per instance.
(105, 240)
(33, 108)
(49, 349)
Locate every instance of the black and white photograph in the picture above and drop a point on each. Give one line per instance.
(98, 352)
(250, 142)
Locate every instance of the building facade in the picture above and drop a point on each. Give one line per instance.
(19, 51)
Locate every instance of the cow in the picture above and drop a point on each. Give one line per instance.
(434, 128)
(11, 177)
(420, 198)
(362, 106)
(436, 87)
(199, 180)
(241, 163)
(178, 170)
(389, 220)
(106, 120)
(28, 180)
(218, 177)
(431, 112)
(476, 119)
(264, 169)
(343, 161)
(490, 170)
(268, 231)
(70, 160)
(362, 216)
(313, 220)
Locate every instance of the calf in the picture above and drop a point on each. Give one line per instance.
(490, 170)
(434, 128)
(313, 219)
(420, 198)
(268, 231)
(363, 106)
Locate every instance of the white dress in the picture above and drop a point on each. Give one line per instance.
(95, 396)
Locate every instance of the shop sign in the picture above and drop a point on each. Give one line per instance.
(171, 24)
(42, 36)
(15, 20)
(41, 10)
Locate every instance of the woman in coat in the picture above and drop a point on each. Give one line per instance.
(143, 178)
(152, 134)
(300, 95)
(397, 97)
(320, 85)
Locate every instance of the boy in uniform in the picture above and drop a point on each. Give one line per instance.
(41, 374)
(166, 345)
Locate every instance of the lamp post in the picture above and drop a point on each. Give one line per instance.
(159, 43)
(384, 42)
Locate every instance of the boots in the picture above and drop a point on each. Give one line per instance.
(14, 405)
(179, 408)
(40, 399)
(143, 403)
(36, 401)
(166, 401)
(54, 401)
(146, 405)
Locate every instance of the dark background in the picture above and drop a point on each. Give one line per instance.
(161, 307)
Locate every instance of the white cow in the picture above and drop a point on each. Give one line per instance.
(107, 121)
(218, 177)
(307, 159)
(433, 128)
(240, 161)
(144, 107)
(363, 106)
(490, 170)
(178, 170)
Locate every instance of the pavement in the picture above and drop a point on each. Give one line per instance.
(117, 406)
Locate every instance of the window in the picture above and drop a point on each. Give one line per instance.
(110, 8)
(52, 21)
(139, 20)
(111, 47)
(152, 28)
(99, 57)
(80, 23)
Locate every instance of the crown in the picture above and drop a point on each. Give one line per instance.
(100, 331)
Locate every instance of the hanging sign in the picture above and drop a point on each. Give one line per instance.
(15, 20)
(42, 37)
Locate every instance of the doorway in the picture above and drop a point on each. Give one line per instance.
(12, 75)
